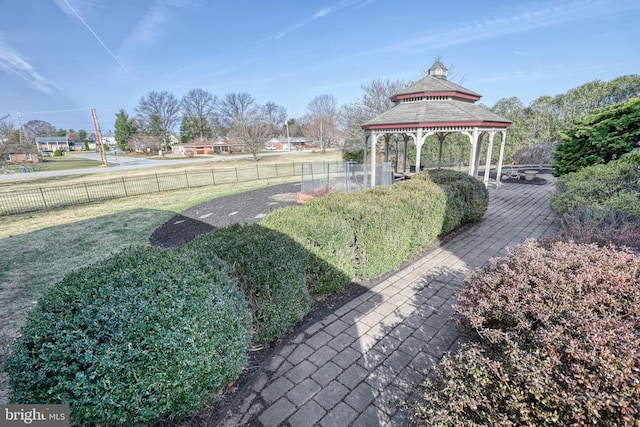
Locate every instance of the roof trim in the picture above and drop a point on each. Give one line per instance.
(483, 124)
(451, 93)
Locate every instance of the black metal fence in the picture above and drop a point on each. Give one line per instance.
(49, 197)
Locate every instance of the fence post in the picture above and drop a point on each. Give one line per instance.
(347, 167)
(124, 186)
(236, 168)
(186, 176)
(213, 177)
(328, 179)
(44, 201)
(158, 183)
(277, 176)
(257, 171)
(86, 190)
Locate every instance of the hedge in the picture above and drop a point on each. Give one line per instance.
(142, 336)
(326, 236)
(601, 194)
(269, 267)
(467, 198)
(366, 234)
(558, 342)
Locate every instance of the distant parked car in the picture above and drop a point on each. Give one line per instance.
(271, 147)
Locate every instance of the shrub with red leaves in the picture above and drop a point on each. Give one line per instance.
(558, 342)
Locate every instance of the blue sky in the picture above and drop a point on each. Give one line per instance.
(60, 58)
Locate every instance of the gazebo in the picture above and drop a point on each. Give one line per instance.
(435, 106)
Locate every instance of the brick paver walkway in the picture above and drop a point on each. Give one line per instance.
(348, 368)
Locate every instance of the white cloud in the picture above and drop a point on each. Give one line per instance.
(152, 25)
(540, 16)
(11, 62)
(321, 13)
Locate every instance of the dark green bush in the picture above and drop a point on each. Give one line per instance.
(270, 268)
(367, 234)
(57, 153)
(141, 336)
(558, 342)
(600, 194)
(603, 135)
(467, 198)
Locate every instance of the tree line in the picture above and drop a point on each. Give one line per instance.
(237, 116)
(199, 114)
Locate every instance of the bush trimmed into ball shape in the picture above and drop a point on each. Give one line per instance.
(269, 266)
(139, 337)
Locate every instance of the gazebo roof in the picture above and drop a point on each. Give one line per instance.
(436, 113)
(433, 101)
(434, 86)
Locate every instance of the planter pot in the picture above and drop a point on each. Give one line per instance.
(304, 197)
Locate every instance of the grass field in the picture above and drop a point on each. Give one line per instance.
(28, 181)
(40, 248)
(60, 163)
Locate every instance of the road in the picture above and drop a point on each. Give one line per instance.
(124, 162)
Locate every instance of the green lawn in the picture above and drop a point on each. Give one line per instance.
(61, 163)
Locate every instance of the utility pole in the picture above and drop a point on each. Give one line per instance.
(96, 130)
(288, 140)
(21, 131)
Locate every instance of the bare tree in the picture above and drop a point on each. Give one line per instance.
(375, 100)
(8, 140)
(352, 117)
(35, 128)
(275, 114)
(158, 113)
(377, 95)
(198, 107)
(252, 128)
(321, 121)
(233, 106)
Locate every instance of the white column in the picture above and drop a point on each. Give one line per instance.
(418, 148)
(487, 167)
(374, 139)
(473, 139)
(479, 138)
(501, 159)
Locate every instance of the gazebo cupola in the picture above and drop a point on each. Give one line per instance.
(438, 70)
(435, 106)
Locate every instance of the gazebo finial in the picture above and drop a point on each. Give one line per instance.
(438, 70)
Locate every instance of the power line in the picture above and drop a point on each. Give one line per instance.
(55, 111)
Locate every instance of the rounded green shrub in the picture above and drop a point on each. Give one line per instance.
(557, 341)
(467, 198)
(142, 336)
(270, 268)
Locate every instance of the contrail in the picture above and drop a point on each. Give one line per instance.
(98, 38)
